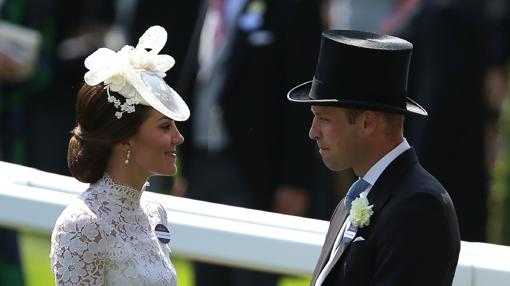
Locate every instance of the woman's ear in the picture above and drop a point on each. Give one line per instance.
(124, 145)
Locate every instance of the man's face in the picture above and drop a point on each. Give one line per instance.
(338, 140)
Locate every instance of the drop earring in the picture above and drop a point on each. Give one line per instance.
(128, 155)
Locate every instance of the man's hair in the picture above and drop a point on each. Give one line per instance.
(394, 121)
(353, 114)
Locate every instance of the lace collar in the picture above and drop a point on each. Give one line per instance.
(124, 195)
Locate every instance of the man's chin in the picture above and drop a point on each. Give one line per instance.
(334, 166)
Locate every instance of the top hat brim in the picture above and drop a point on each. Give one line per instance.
(301, 94)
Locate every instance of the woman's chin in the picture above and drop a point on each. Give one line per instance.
(165, 172)
(170, 172)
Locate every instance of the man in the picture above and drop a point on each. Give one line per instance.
(402, 228)
(243, 55)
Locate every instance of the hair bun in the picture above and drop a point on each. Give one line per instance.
(87, 160)
(97, 131)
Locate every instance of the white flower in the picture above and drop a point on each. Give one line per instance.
(72, 268)
(115, 82)
(116, 69)
(77, 246)
(360, 212)
(90, 232)
(128, 91)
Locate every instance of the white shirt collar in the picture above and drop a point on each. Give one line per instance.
(376, 170)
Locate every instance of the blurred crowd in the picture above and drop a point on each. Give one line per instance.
(235, 61)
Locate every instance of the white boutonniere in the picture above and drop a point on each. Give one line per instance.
(360, 212)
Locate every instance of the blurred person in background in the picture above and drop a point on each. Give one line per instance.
(447, 75)
(26, 57)
(125, 133)
(244, 141)
(361, 15)
(496, 84)
(496, 79)
(79, 29)
(178, 18)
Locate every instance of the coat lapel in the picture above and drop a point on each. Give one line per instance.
(379, 195)
(335, 226)
(385, 186)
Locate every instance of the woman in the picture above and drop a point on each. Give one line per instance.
(125, 133)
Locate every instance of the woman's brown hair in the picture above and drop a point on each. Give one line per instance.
(97, 131)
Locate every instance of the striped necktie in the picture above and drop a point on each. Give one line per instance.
(354, 191)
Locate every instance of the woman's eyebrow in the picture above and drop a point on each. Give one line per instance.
(164, 117)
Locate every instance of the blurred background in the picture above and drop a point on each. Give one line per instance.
(245, 144)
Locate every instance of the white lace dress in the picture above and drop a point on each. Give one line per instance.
(107, 237)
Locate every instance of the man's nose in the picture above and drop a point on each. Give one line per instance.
(313, 133)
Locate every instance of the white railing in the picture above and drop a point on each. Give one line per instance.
(32, 199)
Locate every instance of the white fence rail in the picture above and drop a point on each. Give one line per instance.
(32, 199)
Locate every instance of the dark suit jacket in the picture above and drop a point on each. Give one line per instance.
(444, 34)
(413, 236)
(177, 17)
(266, 132)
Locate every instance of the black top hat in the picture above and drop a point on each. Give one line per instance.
(360, 70)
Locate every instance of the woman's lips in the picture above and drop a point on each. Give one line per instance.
(171, 154)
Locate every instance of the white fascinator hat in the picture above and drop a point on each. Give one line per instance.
(137, 74)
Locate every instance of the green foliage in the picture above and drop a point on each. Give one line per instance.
(499, 199)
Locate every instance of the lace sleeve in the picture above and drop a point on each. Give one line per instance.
(76, 250)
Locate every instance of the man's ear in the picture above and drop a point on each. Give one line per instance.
(368, 121)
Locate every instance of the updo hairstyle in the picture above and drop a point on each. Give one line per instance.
(97, 130)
